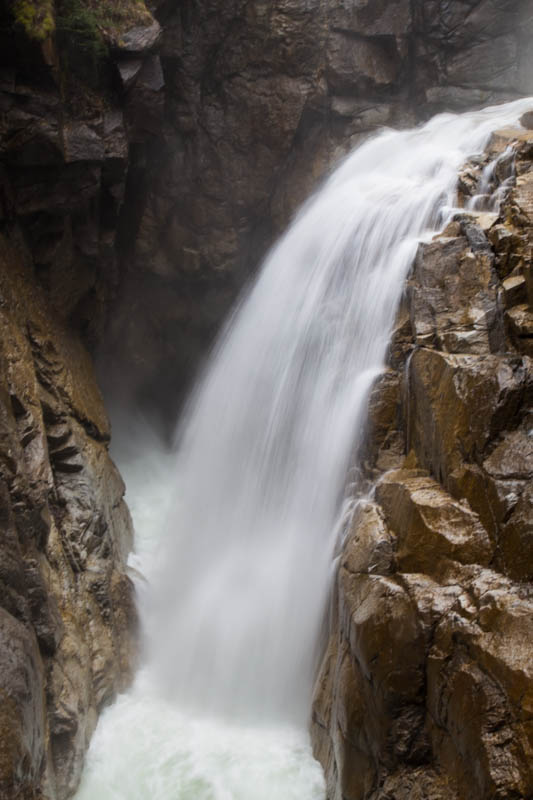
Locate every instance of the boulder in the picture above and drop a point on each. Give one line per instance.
(139, 41)
(430, 526)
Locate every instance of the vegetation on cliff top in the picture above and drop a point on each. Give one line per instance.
(86, 29)
(87, 20)
(35, 17)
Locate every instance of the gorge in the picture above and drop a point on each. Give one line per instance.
(131, 209)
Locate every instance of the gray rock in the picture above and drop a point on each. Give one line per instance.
(128, 70)
(82, 143)
(139, 41)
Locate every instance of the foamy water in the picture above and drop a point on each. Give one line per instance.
(238, 525)
(146, 748)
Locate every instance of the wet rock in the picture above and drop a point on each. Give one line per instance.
(491, 62)
(66, 533)
(513, 457)
(454, 295)
(459, 402)
(371, 547)
(447, 539)
(22, 718)
(384, 444)
(429, 525)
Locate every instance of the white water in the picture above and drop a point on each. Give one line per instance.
(242, 566)
(148, 749)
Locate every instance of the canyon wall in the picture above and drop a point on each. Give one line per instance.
(165, 160)
(148, 157)
(427, 682)
(66, 608)
(261, 98)
(67, 616)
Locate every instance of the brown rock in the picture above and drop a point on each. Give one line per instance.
(22, 720)
(370, 547)
(516, 539)
(430, 526)
(359, 64)
(384, 445)
(458, 403)
(464, 731)
(514, 289)
(453, 297)
(513, 457)
(520, 323)
(65, 543)
(526, 120)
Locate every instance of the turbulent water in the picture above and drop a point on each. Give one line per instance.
(146, 748)
(238, 544)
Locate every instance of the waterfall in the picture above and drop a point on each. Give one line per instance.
(240, 571)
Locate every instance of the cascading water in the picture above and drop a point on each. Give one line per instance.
(238, 578)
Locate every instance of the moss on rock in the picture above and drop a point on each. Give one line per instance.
(35, 17)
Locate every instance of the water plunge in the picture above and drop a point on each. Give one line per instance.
(239, 572)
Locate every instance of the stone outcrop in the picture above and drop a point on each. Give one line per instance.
(426, 686)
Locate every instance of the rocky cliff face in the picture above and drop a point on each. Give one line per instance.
(144, 167)
(426, 686)
(67, 617)
(165, 161)
(261, 99)
(66, 608)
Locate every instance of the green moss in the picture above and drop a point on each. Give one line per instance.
(85, 28)
(78, 31)
(35, 17)
(116, 16)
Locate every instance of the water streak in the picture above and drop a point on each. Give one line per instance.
(271, 429)
(239, 574)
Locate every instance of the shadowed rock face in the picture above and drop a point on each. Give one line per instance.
(261, 99)
(66, 606)
(426, 685)
(205, 134)
(148, 200)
